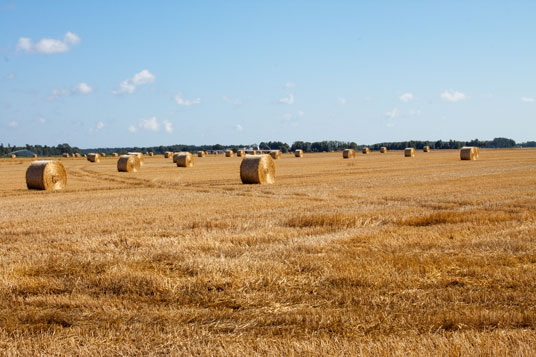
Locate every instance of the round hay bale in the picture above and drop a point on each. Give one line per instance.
(128, 163)
(426, 148)
(103, 154)
(13, 156)
(115, 154)
(298, 153)
(77, 155)
(275, 154)
(409, 152)
(34, 156)
(46, 175)
(151, 154)
(139, 155)
(240, 153)
(65, 154)
(93, 157)
(257, 169)
(383, 150)
(251, 152)
(229, 153)
(201, 154)
(477, 151)
(468, 153)
(365, 150)
(348, 153)
(168, 154)
(183, 159)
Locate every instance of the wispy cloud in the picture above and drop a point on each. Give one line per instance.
(128, 86)
(97, 127)
(341, 101)
(81, 88)
(151, 124)
(406, 97)
(528, 99)
(13, 124)
(233, 101)
(288, 85)
(9, 76)
(287, 100)
(414, 113)
(239, 128)
(48, 45)
(186, 102)
(453, 96)
(393, 113)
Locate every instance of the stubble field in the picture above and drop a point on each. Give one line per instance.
(379, 254)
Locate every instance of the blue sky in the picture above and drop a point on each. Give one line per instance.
(141, 73)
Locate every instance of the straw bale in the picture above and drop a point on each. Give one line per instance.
(168, 154)
(183, 159)
(46, 175)
(298, 153)
(275, 154)
(365, 150)
(139, 155)
(348, 153)
(93, 157)
(65, 154)
(115, 154)
(257, 169)
(383, 150)
(229, 153)
(128, 163)
(409, 152)
(240, 153)
(426, 148)
(201, 154)
(468, 153)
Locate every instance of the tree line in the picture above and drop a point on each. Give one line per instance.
(317, 146)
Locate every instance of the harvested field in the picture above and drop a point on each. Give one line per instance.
(376, 255)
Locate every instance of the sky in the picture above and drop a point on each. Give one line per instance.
(148, 73)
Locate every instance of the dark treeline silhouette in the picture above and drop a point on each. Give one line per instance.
(317, 146)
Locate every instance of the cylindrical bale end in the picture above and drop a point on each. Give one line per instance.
(46, 175)
(128, 163)
(257, 169)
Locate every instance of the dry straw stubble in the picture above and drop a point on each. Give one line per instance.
(128, 163)
(46, 175)
(257, 169)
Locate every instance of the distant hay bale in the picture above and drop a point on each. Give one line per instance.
(77, 154)
(409, 152)
(365, 150)
(229, 153)
(275, 154)
(477, 151)
(73, 155)
(151, 154)
(251, 152)
(13, 156)
(93, 157)
(183, 159)
(103, 154)
(115, 154)
(348, 153)
(46, 175)
(298, 153)
(468, 153)
(65, 154)
(257, 169)
(383, 150)
(34, 156)
(426, 148)
(240, 153)
(139, 155)
(128, 163)
(200, 154)
(168, 154)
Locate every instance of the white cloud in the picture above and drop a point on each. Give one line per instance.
(393, 113)
(42, 120)
(186, 102)
(289, 100)
(288, 116)
(301, 113)
(150, 124)
(81, 88)
(233, 101)
(414, 113)
(341, 101)
(129, 85)
(453, 96)
(13, 124)
(48, 45)
(289, 85)
(100, 125)
(406, 97)
(528, 99)
(9, 76)
(168, 126)
(390, 125)
(239, 128)
(132, 129)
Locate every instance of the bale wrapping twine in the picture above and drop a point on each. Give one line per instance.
(46, 175)
(128, 163)
(257, 169)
